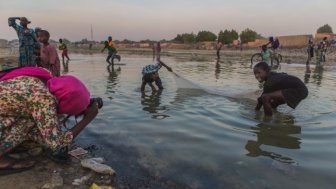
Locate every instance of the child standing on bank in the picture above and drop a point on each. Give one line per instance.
(279, 88)
(48, 54)
(150, 74)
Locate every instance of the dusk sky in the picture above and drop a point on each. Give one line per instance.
(158, 19)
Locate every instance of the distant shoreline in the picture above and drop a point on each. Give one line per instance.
(298, 55)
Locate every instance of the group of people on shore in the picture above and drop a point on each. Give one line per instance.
(34, 46)
(36, 99)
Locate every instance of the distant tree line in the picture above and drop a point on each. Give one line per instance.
(225, 36)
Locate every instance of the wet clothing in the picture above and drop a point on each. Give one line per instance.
(27, 44)
(28, 111)
(147, 78)
(112, 51)
(49, 59)
(292, 88)
(150, 69)
(267, 56)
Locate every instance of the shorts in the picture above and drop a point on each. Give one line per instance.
(293, 96)
(147, 78)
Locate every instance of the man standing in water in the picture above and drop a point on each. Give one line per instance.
(310, 51)
(218, 48)
(158, 51)
(27, 41)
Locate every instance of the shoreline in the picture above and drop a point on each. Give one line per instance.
(289, 55)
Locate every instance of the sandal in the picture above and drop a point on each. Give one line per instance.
(17, 166)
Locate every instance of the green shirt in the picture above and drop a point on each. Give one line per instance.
(267, 56)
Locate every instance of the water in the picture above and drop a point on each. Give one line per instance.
(189, 138)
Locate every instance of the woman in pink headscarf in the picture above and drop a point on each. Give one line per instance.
(31, 101)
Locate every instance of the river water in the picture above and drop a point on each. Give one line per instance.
(208, 136)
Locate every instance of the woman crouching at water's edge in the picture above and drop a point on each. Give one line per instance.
(31, 101)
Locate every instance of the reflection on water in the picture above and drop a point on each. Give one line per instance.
(112, 79)
(316, 75)
(187, 138)
(65, 67)
(217, 70)
(274, 135)
(151, 103)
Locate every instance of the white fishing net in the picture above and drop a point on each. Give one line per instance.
(183, 83)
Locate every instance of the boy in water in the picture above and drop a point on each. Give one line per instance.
(48, 53)
(279, 88)
(150, 74)
(62, 46)
(218, 48)
(27, 41)
(112, 50)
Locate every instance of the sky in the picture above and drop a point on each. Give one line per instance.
(164, 19)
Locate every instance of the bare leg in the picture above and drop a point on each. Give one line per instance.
(270, 100)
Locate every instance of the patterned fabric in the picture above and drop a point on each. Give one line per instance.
(27, 44)
(50, 60)
(151, 68)
(28, 112)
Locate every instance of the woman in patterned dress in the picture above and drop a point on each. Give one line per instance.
(27, 41)
(31, 101)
